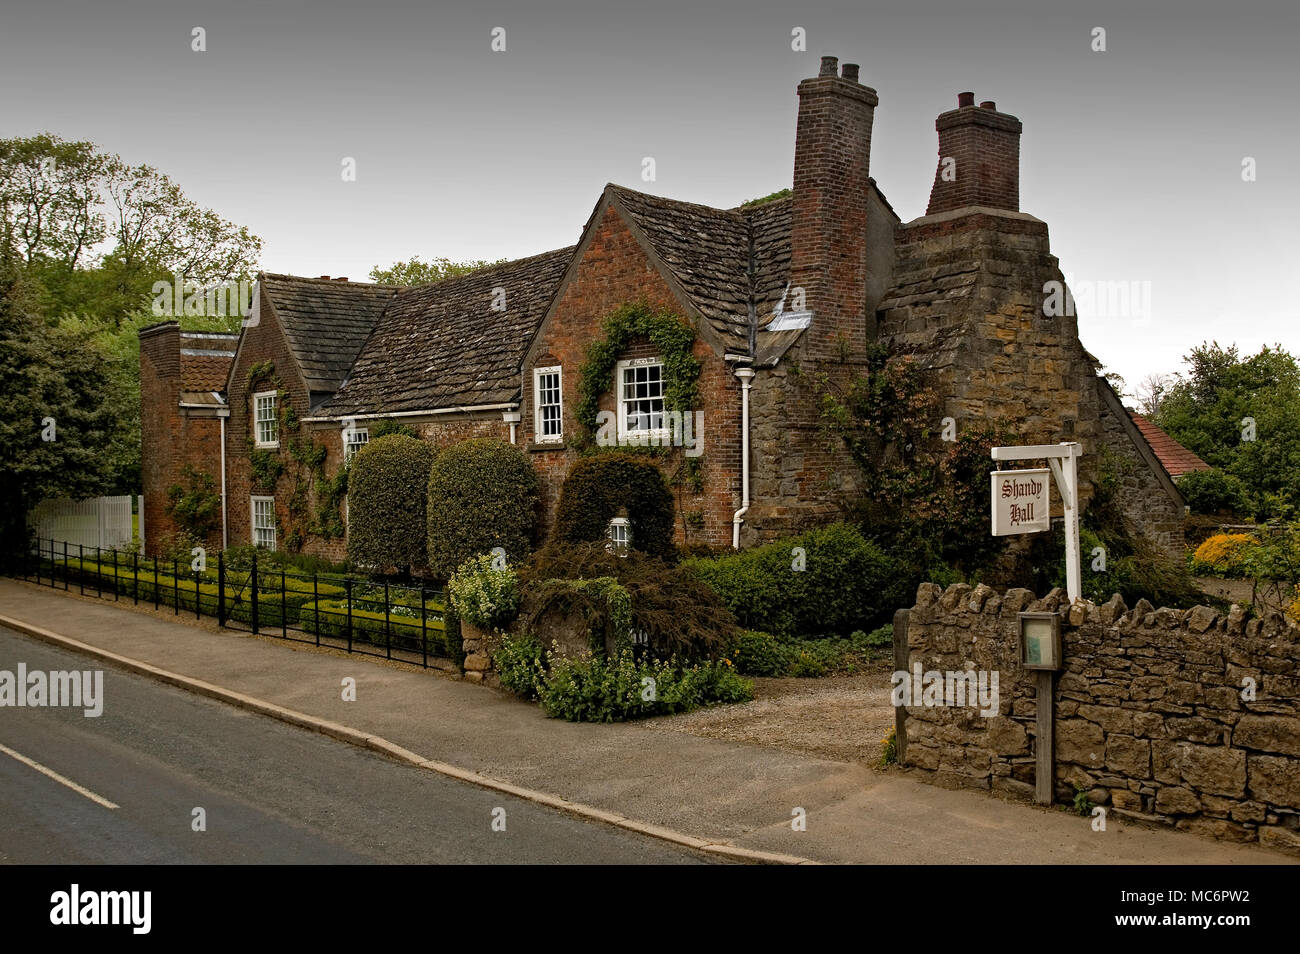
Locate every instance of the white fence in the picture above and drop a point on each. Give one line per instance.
(103, 522)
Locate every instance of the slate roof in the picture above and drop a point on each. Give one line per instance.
(709, 251)
(443, 346)
(326, 322)
(1173, 456)
(381, 350)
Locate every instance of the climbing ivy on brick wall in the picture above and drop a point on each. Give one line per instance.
(301, 460)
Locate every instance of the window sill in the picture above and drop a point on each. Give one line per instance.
(645, 438)
(542, 446)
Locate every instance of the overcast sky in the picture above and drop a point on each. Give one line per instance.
(1133, 156)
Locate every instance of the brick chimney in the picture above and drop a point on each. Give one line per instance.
(828, 243)
(979, 158)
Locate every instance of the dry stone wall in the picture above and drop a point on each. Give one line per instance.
(1188, 718)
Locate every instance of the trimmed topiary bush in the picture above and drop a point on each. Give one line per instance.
(600, 486)
(482, 494)
(827, 581)
(386, 494)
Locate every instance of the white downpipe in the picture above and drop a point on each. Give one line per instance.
(745, 375)
(511, 418)
(225, 545)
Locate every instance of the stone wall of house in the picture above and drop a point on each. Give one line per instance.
(171, 437)
(968, 304)
(1143, 498)
(800, 476)
(1150, 715)
(611, 271)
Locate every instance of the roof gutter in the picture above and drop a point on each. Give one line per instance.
(510, 406)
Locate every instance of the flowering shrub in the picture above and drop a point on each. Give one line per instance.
(1224, 554)
(593, 688)
(482, 595)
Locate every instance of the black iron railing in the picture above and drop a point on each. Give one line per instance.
(406, 622)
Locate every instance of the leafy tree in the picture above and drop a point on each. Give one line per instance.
(91, 235)
(416, 272)
(53, 421)
(98, 232)
(770, 197)
(1242, 415)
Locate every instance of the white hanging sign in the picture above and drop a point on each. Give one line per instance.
(1021, 502)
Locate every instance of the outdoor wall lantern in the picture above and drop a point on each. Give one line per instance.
(1040, 641)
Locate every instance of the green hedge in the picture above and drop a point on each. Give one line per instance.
(847, 583)
(369, 626)
(482, 494)
(179, 591)
(387, 480)
(1215, 491)
(600, 486)
(762, 654)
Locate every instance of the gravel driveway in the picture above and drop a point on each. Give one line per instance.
(843, 718)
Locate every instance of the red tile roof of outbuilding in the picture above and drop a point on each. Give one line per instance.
(1175, 458)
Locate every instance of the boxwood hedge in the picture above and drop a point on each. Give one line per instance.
(386, 498)
(600, 486)
(482, 494)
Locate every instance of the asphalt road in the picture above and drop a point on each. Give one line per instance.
(271, 793)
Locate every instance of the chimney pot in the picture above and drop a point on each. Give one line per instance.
(829, 64)
(982, 146)
(849, 71)
(324, 278)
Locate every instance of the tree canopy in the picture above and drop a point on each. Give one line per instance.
(1241, 415)
(97, 232)
(54, 422)
(416, 272)
(83, 238)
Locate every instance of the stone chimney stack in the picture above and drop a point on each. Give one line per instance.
(979, 158)
(832, 157)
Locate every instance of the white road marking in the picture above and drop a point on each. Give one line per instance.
(97, 799)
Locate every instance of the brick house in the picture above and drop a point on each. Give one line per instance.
(778, 294)
(183, 380)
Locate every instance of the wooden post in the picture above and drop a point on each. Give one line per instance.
(900, 664)
(1044, 761)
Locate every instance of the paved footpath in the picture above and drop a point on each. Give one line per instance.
(706, 788)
